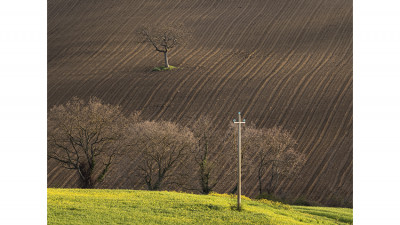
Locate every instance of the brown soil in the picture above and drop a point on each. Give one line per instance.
(286, 62)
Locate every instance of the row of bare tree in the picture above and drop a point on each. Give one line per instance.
(89, 137)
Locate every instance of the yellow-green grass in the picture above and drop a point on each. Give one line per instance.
(99, 206)
(163, 68)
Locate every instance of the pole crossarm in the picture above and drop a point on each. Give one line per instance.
(239, 187)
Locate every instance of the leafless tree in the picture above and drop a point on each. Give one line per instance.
(207, 142)
(162, 146)
(275, 149)
(163, 39)
(86, 137)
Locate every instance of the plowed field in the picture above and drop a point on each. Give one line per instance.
(286, 62)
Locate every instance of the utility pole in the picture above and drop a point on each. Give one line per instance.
(239, 185)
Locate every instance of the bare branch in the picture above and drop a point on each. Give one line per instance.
(161, 146)
(85, 137)
(164, 37)
(276, 154)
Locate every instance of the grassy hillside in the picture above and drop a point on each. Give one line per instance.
(78, 206)
(286, 63)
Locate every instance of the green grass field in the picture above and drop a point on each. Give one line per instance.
(83, 206)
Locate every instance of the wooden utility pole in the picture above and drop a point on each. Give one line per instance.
(239, 185)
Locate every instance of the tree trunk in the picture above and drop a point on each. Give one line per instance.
(270, 185)
(259, 180)
(86, 174)
(166, 60)
(160, 179)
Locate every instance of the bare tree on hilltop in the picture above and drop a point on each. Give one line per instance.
(86, 137)
(163, 38)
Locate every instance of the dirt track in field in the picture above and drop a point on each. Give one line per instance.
(285, 62)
